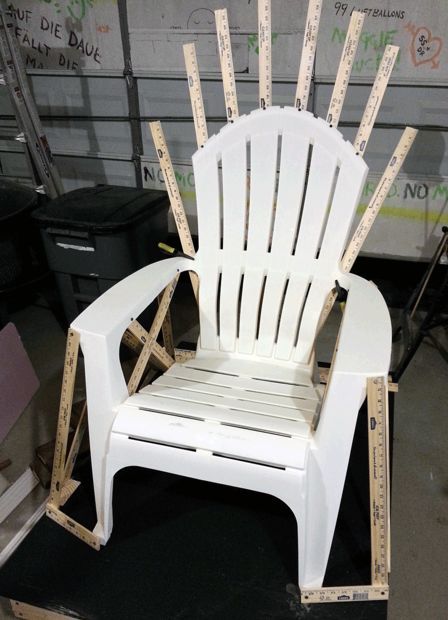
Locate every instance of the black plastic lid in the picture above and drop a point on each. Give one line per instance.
(14, 199)
(102, 208)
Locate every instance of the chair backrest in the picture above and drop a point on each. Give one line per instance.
(276, 194)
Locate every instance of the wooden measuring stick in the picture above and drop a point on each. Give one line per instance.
(177, 206)
(382, 189)
(194, 87)
(65, 409)
(377, 403)
(30, 612)
(73, 526)
(379, 513)
(76, 443)
(371, 212)
(308, 54)
(345, 68)
(143, 359)
(226, 60)
(167, 331)
(344, 594)
(375, 98)
(135, 337)
(264, 53)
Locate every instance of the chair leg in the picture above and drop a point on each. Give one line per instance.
(103, 501)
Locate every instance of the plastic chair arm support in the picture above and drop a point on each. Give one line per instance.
(120, 305)
(365, 340)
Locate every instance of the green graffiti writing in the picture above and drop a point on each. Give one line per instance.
(76, 9)
(252, 41)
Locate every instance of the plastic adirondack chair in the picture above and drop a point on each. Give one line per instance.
(247, 411)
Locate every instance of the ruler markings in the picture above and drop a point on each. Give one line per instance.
(308, 54)
(194, 87)
(226, 60)
(345, 68)
(375, 98)
(264, 53)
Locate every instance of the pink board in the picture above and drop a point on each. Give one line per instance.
(18, 381)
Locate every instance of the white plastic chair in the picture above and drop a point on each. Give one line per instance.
(246, 411)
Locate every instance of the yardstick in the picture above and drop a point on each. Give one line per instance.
(226, 60)
(345, 68)
(377, 403)
(65, 409)
(194, 87)
(264, 53)
(146, 351)
(73, 526)
(375, 98)
(174, 195)
(382, 189)
(308, 54)
(344, 594)
(371, 212)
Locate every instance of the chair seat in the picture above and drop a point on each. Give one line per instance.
(202, 405)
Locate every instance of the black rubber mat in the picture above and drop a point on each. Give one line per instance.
(186, 549)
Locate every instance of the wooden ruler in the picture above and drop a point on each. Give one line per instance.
(382, 189)
(194, 87)
(344, 594)
(375, 98)
(30, 612)
(65, 410)
(345, 68)
(371, 212)
(264, 53)
(226, 60)
(177, 206)
(73, 527)
(143, 359)
(59, 461)
(377, 404)
(167, 330)
(308, 54)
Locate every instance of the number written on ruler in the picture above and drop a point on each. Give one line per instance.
(375, 98)
(265, 55)
(377, 435)
(308, 54)
(226, 60)
(378, 198)
(194, 86)
(173, 190)
(345, 68)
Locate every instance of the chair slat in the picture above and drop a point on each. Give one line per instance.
(251, 300)
(223, 402)
(208, 307)
(270, 315)
(318, 195)
(208, 192)
(263, 168)
(229, 306)
(293, 162)
(300, 409)
(347, 193)
(291, 314)
(316, 298)
(245, 383)
(235, 196)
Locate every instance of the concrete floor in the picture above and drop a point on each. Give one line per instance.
(420, 468)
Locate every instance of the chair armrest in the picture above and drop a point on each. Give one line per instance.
(115, 309)
(365, 339)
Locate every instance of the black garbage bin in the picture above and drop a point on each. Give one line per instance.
(96, 236)
(18, 252)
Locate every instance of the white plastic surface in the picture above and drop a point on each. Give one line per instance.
(243, 411)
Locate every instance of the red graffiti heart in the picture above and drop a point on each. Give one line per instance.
(425, 48)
